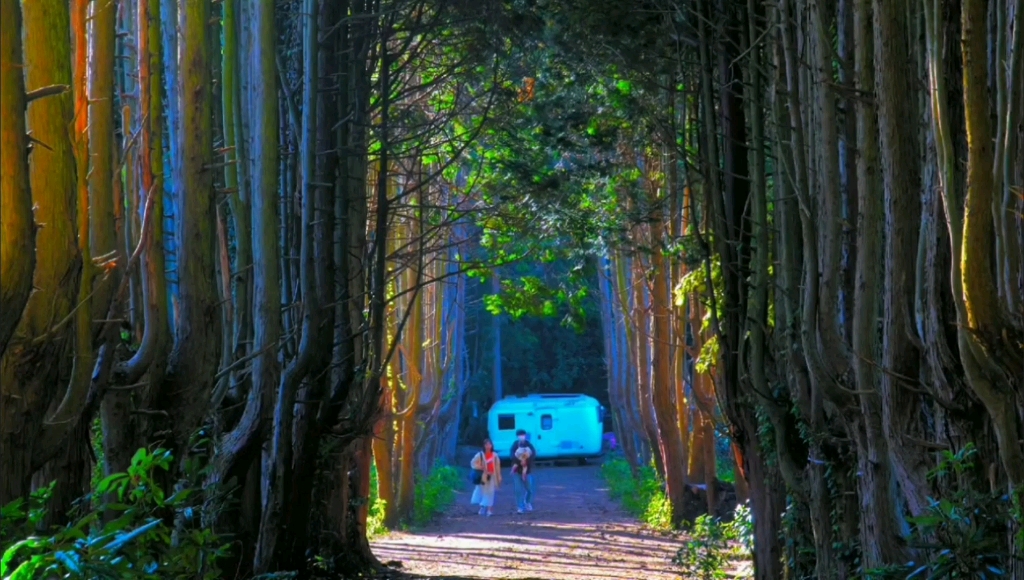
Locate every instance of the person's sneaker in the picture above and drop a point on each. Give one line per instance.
(519, 511)
(482, 511)
(529, 507)
(490, 513)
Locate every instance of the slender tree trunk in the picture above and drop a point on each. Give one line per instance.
(496, 325)
(238, 201)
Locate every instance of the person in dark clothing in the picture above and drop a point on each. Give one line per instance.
(523, 455)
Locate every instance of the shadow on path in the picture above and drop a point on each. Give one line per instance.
(575, 533)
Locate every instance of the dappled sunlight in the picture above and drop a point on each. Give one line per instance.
(576, 532)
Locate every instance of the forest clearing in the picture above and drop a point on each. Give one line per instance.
(269, 269)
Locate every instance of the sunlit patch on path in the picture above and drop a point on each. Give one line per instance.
(575, 533)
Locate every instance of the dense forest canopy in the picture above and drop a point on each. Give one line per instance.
(258, 254)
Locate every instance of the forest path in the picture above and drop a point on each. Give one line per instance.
(575, 532)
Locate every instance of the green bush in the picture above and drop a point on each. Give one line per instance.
(642, 496)
(151, 535)
(742, 526)
(712, 545)
(434, 493)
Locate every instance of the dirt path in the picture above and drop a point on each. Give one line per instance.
(576, 532)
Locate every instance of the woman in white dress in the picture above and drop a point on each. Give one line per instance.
(486, 461)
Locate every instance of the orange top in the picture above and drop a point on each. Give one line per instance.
(489, 461)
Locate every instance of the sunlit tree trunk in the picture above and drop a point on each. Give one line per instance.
(64, 442)
(989, 365)
(642, 337)
(670, 439)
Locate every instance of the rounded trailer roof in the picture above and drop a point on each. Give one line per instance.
(555, 400)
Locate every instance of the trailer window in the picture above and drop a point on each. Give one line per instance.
(545, 422)
(506, 422)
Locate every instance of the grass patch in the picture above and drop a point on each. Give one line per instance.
(642, 496)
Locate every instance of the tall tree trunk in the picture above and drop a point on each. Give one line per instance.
(195, 356)
(670, 439)
(313, 396)
(272, 550)
(151, 357)
(991, 367)
(881, 541)
(36, 360)
(18, 239)
(103, 230)
(642, 339)
(238, 453)
(238, 198)
(902, 186)
(496, 326)
(68, 457)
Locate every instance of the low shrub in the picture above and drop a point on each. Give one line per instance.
(434, 493)
(642, 496)
(963, 534)
(706, 553)
(375, 527)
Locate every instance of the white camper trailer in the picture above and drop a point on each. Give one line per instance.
(566, 426)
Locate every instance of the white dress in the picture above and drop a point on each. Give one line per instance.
(483, 495)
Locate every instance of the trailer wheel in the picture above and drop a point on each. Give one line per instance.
(582, 460)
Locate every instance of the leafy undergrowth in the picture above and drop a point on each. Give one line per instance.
(642, 496)
(375, 527)
(434, 493)
(133, 541)
(714, 549)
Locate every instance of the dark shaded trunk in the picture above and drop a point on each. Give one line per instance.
(313, 405)
(767, 502)
(193, 361)
(273, 551)
(901, 179)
